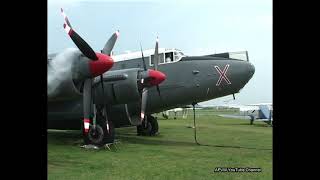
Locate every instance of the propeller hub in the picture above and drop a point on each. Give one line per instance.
(100, 66)
(156, 77)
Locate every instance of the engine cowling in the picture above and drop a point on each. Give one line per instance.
(125, 114)
(68, 70)
(61, 83)
(120, 87)
(66, 74)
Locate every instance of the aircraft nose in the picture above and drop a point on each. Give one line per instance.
(251, 69)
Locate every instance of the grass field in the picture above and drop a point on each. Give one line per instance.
(170, 155)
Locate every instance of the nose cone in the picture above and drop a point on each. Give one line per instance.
(156, 76)
(251, 70)
(100, 66)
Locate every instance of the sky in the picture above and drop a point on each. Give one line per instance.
(197, 27)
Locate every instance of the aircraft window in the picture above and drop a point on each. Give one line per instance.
(169, 57)
(241, 55)
(161, 59)
(178, 55)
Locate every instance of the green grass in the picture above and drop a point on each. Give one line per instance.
(170, 155)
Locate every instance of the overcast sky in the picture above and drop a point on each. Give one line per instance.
(196, 27)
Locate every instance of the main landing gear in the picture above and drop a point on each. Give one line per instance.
(148, 127)
(100, 134)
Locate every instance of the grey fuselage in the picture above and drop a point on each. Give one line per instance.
(192, 79)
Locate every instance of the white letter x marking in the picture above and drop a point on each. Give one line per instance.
(222, 74)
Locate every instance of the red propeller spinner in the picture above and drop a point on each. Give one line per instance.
(103, 64)
(156, 77)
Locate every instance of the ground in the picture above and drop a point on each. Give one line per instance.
(173, 154)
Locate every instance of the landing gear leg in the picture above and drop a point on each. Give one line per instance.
(103, 132)
(194, 123)
(148, 127)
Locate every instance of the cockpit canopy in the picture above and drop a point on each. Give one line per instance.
(239, 55)
(165, 56)
(168, 56)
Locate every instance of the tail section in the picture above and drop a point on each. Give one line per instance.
(264, 112)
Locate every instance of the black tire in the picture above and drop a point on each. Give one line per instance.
(109, 136)
(95, 135)
(151, 129)
(144, 130)
(154, 125)
(101, 128)
(139, 130)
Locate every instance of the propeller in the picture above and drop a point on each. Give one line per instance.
(107, 50)
(153, 78)
(78, 41)
(87, 102)
(98, 64)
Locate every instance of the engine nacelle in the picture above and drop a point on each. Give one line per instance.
(120, 87)
(65, 90)
(61, 85)
(66, 74)
(125, 114)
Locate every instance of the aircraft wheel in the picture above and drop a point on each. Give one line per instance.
(150, 129)
(154, 124)
(95, 135)
(144, 129)
(100, 136)
(109, 136)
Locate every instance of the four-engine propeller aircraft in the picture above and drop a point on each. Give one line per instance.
(115, 91)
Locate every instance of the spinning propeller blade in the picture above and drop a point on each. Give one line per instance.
(143, 61)
(156, 55)
(144, 102)
(78, 41)
(110, 43)
(87, 103)
(154, 78)
(98, 64)
(107, 50)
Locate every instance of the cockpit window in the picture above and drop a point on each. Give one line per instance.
(178, 55)
(161, 59)
(241, 55)
(168, 57)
